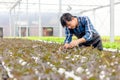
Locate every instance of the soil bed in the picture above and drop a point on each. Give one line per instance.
(35, 60)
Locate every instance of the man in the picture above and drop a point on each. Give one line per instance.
(83, 29)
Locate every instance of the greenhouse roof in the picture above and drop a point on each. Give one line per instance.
(81, 5)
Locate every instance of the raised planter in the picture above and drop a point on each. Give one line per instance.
(38, 60)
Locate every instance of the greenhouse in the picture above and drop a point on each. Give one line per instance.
(32, 40)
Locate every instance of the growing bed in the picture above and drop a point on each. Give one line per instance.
(22, 59)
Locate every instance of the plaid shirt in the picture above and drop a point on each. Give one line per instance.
(84, 29)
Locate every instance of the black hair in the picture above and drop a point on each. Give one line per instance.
(65, 17)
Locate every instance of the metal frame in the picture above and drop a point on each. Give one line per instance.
(111, 16)
(112, 20)
(111, 5)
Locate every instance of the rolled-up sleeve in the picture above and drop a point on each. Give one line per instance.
(88, 29)
(69, 35)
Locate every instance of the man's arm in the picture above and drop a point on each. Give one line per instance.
(68, 38)
(77, 42)
(88, 28)
(69, 35)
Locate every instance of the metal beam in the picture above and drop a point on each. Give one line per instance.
(52, 4)
(15, 5)
(111, 20)
(14, 24)
(10, 24)
(27, 19)
(98, 7)
(60, 11)
(40, 30)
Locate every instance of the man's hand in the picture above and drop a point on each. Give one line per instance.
(71, 45)
(77, 42)
(67, 45)
(74, 43)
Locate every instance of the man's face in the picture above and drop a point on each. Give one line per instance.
(71, 24)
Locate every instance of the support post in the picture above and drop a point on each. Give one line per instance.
(60, 11)
(111, 20)
(10, 24)
(39, 23)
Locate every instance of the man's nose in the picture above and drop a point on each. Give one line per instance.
(69, 27)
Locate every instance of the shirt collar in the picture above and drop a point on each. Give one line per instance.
(78, 21)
